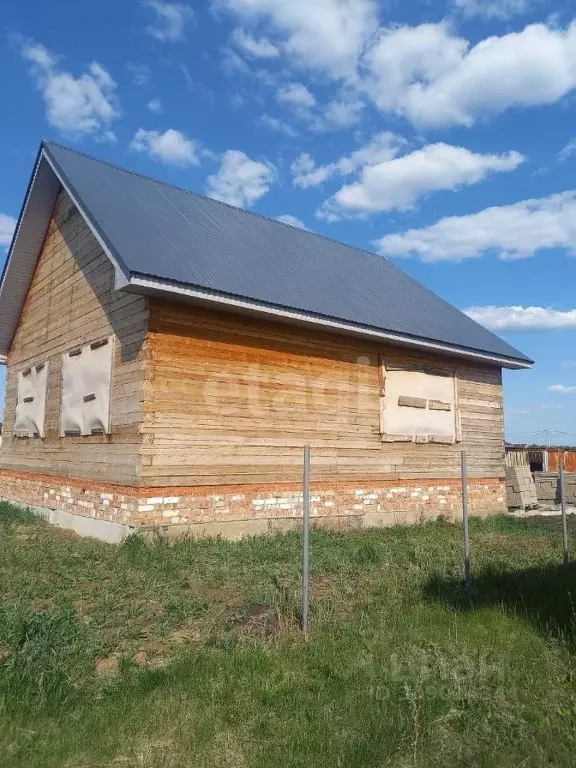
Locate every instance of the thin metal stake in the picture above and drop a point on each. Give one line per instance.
(465, 519)
(305, 540)
(563, 507)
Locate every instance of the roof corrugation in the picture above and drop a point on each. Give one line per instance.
(172, 234)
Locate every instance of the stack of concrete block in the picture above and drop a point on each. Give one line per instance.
(547, 487)
(520, 488)
(570, 487)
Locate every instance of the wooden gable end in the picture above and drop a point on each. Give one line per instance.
(72, 302)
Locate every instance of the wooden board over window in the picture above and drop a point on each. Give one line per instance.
(418, 406)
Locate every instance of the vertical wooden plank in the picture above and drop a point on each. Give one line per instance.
(458, 421)
(382, 393)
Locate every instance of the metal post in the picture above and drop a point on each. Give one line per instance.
(563, 507)
(465, 519)
(305, 540)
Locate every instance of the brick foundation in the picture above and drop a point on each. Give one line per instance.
(273, 508)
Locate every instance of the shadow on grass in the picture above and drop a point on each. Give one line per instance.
(544, 595)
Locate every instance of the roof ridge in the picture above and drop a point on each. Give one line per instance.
(147, 177)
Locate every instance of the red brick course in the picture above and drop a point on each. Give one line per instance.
(388, 501)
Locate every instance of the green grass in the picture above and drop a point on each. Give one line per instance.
(169, 655)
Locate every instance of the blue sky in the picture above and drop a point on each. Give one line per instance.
(441, 135)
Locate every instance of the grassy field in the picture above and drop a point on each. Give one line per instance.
(170, 655)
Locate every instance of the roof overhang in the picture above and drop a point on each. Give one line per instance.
(29, 235)
(152, 286)
(26, 245)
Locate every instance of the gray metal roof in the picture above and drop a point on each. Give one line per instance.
(181, 238)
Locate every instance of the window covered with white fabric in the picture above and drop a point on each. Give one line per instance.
(31, 401)
(86, 389)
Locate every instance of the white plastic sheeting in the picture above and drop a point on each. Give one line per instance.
(31, 404)
(420, 406)
(86, 387)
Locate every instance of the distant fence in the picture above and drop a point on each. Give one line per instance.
(540, 459)
(554, 460)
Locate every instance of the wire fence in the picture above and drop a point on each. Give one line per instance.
(467, 563)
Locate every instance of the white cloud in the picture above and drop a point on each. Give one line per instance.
(324, 34)
(295, 95)
(397, 184)
(232, 63)
(403, 57)
(141, 74)
(569, 364)
(568, 151)
(294, 221)
(306, 173)
(241, 181)
(435, 78)
(523, 318)
(7, 227)
(261, 48)
(426, 73)
(74, 105)
(494, 9)
(171, 147)
(171, 20)
(562, 389)
(274, 124)
(515, 231)
(108, 137)
(383, 146)
(155, 106)
(340, 113)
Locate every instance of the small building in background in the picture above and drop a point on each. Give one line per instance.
(541, 458)
(534, 457)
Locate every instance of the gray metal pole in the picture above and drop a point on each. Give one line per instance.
(305, 540)
(563, 507)
(465, 519)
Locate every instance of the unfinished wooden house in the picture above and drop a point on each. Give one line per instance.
(168, 356)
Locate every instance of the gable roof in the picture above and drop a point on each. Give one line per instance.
(172, 242)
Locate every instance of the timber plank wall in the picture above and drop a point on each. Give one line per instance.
(233, 399)
(72, 301)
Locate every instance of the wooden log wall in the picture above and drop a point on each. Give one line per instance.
(72, 301)
(233, 400)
